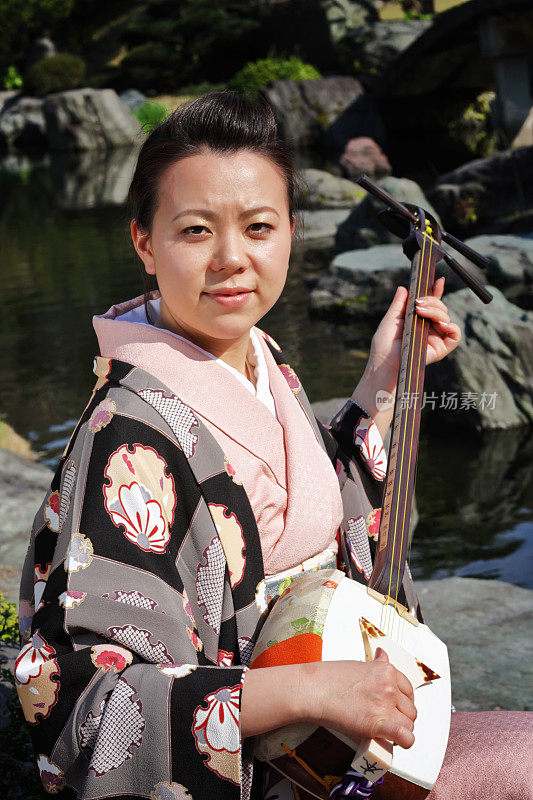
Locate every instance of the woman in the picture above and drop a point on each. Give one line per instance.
(191, 485)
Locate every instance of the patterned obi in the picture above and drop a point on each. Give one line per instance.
(274, 585)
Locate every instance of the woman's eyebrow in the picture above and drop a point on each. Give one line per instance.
(208, 214)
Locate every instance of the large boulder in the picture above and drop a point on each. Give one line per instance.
(88, 119)
(491, 371)
(485, 625)
(22, 123)
(23, 485)
(487, 193)
(323, 224)
(378, 44)
(364, 229)
(324, 190)
(325, 112)
(364, 155)
(360, 284)
(92, 178)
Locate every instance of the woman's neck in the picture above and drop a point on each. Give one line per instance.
(235, 353)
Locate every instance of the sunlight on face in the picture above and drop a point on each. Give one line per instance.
(219, 246)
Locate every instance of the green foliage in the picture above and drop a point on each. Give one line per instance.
(23, 20)
(12, 78)
(473, 128)
(57, 73)
(151, 114)
(256, 74)
(9, 631)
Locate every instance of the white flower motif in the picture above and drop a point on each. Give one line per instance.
(141, 517)
(71, 599)
(31, 659)
(216, 731)
(79, 553)
(176, 670)
(369, 441)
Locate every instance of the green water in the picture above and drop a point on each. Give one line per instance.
(66, 255)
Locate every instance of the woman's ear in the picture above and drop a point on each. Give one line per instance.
(293, 223)
(143, 246)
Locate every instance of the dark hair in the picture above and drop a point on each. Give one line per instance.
(223, 122)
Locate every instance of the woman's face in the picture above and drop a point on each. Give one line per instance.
(219, 246)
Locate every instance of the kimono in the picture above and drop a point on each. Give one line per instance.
(143, 591)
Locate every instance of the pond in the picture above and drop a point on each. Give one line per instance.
(67, 255)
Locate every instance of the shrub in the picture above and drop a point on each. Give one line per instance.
(151, 114)
(256, 74)
(12, 78)
(54, 74)
(9, 631)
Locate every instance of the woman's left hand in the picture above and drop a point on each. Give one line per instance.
(444, 336)
(376, 390)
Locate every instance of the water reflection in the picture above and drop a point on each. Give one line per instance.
(475, 498)
(67, 255)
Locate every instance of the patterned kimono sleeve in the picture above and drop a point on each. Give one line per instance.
(358, 437)
(112, 678)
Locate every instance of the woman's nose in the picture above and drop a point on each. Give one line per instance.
(230, 253)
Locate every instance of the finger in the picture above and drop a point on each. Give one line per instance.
(405, 686)
(406, 707)
(430, 302)
(438, 287)
(451, 331)
(433, 314)
(380, 655)
(397, 306)
(396, 729)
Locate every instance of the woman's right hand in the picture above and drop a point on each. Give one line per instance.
(371, 700)
(363, 700)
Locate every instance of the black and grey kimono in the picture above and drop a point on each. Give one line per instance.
(135, 636)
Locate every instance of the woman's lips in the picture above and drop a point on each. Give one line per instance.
(230, 300)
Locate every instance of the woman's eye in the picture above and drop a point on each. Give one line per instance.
(260, 227)
(195, 230)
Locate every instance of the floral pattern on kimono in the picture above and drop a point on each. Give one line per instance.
(131, 678)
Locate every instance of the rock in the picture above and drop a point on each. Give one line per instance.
(379, 44)
(524, 137)
(486, 192)
(43, 47)
(323, 224)
(23, 485)
(325, 410)
(7, 97)
(485, 625)
(324, 190)
(364, 229)
(325, 112)
(364, 155)
(346, 16)
(494, 362)
(10, 440)
(22, 124)
(92, 178)
(88, 119)
(360, 283)
(133, 99)
(511, 258)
